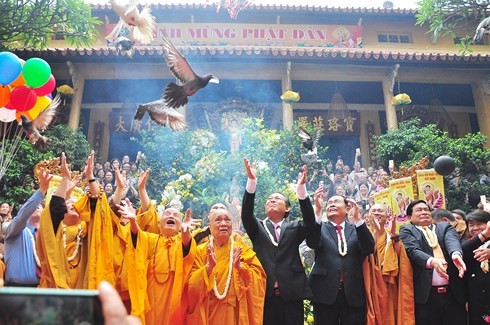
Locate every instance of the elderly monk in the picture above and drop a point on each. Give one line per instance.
(75, 240)
(166, 259)
(227, 283)
(397, 274)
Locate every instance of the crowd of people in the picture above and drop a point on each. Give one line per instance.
(169, 269)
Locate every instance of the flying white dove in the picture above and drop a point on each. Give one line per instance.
(483, 28)
(143, 22)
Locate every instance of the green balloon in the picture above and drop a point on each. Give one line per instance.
(36, 72)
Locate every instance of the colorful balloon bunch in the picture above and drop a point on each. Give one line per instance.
(25, 87)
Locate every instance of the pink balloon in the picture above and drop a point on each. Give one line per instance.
(47, 88)
(22, 99)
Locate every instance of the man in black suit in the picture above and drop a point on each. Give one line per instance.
(438, 285)
(276, 242)
(336, 278)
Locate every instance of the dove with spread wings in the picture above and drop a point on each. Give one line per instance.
(34, 128)
(176, 95)
(142, 22)
(310, 143)
(161, 114)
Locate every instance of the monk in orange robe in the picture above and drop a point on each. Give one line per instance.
(396, 270)
(201, 235)
(227, 283)
(75, 238)
(147, 219)
(166, 259)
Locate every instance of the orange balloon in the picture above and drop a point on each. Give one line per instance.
(4, 95)
(20, 79)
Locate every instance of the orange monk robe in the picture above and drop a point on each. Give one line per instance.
(244, 302)
(398, 278)
(157, 273)
(94, 262)
(122, 238)
(2, 269)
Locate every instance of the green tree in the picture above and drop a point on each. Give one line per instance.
(18, 182)
(453, 18)
(413, 141)
(32, 23)
(191, 165)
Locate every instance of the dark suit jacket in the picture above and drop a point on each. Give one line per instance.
(282, 263)
(325, 275)
(419, 251)
(478, 283)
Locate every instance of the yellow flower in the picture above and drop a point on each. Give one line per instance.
(291, 169)
(309, 319)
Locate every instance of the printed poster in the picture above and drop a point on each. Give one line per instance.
(431, 188)
(401, 195)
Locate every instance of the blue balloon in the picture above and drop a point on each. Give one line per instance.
(10, 68)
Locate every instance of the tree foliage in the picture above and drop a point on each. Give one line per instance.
(454, 18)
(412, 141)
(192, 166)
(18, 184)
(32, 23)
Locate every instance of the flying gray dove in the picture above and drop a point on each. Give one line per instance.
(176, 95)
(311, 144)
(34, 128)
(161, 114)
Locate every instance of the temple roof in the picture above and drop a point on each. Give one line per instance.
(276, 8)
(238, 52)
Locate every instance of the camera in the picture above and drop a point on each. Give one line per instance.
(49, 306)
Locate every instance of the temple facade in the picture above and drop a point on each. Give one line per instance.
(347, 64)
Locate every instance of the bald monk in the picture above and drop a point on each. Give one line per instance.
(227, 283)
(75, 238)
(166, 259)
(393, 262)
(201, 235)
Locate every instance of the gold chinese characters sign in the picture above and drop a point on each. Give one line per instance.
(342, 126)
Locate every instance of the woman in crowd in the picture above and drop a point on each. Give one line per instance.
(476, 253)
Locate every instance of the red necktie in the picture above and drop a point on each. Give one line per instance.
(339, 233)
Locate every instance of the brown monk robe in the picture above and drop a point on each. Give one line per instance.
(397, 303)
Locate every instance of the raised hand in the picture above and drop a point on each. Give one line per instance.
(89, 167)
(72, 184)
(188, 224)
(318, 198)
(125, 208)
(120, 178)
(251, 169)
(65, 171)
(44, 179)
(211, 259)
(143, 178)
(354, 209)
(302, 175)
(237, 254)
